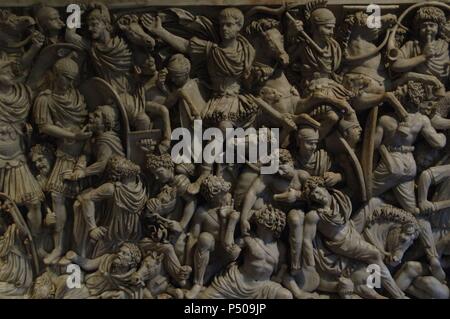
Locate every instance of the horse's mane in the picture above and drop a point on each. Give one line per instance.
(359, 19)
(261, 25)
(389, 213)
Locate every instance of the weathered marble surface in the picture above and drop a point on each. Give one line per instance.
(88, 180)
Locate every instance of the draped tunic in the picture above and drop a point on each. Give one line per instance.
(436, 65)
(227, 68)
(70, 113)
(16, 179)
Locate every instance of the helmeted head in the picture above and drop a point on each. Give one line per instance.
(66, 71)
(351, 131)
(179, 68)
(321, 18)
(307, 136)
(231, 21)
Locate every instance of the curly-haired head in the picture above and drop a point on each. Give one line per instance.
(99, 12)
(135, 253)
(312, 183)
(110, 117)
(43, 287)
(284, 156)
(430, 14)
(119, 167)
(214, 185)
(156, 161)
(42, 149)
(271, 218)
(416, 93)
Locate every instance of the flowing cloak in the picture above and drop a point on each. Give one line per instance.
(318, 165)
(192, 95)
(231, 284)
(113, 63)
(16, 274)
(123, 214)
(325, 64)
(104, 147)
(68, 112)
(436, 65)
(326, 260)
(104, 279)
(110, 140)
(333, 256)
(16, 179)
(226, 68)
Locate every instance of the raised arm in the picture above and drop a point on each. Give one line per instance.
(71, 36)
(85, 263)
(407, 64)
(154, 26)
(423, 187)
(257, 187)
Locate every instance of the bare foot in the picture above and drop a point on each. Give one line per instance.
(295, 268)
(195, 290)
(53, 257)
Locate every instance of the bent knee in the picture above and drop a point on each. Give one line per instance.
(413, 269)
(296, 217)
(433, 287)
(205, 241)
(284, 294)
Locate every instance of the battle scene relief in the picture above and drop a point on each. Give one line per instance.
(288, 150)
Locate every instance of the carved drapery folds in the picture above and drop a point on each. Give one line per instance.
(355, 98)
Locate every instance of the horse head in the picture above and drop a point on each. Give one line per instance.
(151, 266)
(129, 25)
(392, 230)
(268, 40)
(13, 27)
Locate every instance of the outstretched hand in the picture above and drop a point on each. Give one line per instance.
(151, 23)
